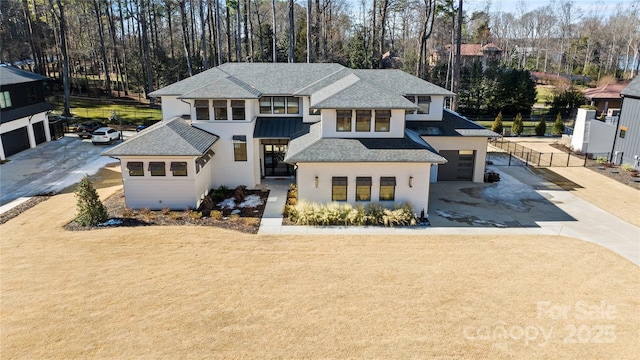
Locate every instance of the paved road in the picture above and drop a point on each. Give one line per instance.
(51, 166)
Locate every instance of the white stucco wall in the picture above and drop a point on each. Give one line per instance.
(172, 107)
(435, 111)
(306, 103)
(158, 192)
(396, 126)
(580, 135)
(418, 195)
(225, 170)
(591, 135)
(478, 144)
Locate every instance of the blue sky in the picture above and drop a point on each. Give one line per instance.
(604, 8)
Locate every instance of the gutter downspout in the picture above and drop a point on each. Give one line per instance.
(188, 103)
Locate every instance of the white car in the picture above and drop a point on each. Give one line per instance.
(105, 135)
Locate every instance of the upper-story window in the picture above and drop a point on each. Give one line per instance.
(220, 110)
(279, 105)
(423, 102)
(5, 100)
(363, 120)
(202, 109)
(343, 120)
(31, 95)
(383, 120)
(237, 109)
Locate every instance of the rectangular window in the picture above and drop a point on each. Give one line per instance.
(31, 95)
(339, 188)
(424, 103)
(239, 148)
(157, 168)
(178, 168)
(343, 120)
(363, 189)
(135, 168)
(237, 109)
(293, 105)
(363, 120)
(202, 109)
(220, 109)
(5, 100)
(383, 120)
(265, 105)
(278, 105)
(387, 188)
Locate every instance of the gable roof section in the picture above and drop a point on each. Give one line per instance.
(10, 75)
(452, 124)
(402, 83)
(633, 89)
(191, 83)
(609, 91)
(224, 88)
(173, 137)
(359, 94)
(312, 147)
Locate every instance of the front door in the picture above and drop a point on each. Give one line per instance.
(274, 164)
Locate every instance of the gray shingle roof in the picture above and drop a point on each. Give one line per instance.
(279, 127)
(359, 94)
(174, 137)
(633, 89)
(191, 83)
(12, 75)
(224, 88)
(452, 124)
(402, 82)
(311, 147)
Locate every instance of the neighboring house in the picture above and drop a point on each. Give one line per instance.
(23, 111)
(469, 53)
(356, 136)
(605, 98)
(626, 143)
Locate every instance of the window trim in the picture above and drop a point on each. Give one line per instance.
(199, 104)
(235, 104)
(178, 168)
(240, 143)
(360, 114)
(379, 116)
(363, 182)
(136, 168)
(218, 105)
(337, 183)
(297, 101)
(5, 100)
(155, 167)
(338, 117)
(387, 182)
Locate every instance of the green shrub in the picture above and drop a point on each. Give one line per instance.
(219, 193)
(517, 127)
(601, 160)
(497, 124)
(541, 127)
(91, 211)
(558, 126)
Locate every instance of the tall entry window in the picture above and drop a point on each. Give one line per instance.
(274, 152)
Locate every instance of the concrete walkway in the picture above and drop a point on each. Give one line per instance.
(522, 202)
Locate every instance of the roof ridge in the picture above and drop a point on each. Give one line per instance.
(321, 79)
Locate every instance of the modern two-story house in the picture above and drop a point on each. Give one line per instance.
(23, 111)
(356, 136)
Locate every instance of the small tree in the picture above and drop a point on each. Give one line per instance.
(558, 125)
(90, 210)
(517, 126)
(497, 124)
(541, 128)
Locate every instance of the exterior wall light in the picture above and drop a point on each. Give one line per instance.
(316, 181)
(410, 181)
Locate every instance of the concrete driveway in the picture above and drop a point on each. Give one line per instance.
(52, 166)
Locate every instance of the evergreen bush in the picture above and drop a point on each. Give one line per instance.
(558, 125)
(91, 211)
(541, 127)
(517, 126)
(497, 124)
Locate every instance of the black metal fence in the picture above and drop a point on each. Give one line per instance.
(532, 157)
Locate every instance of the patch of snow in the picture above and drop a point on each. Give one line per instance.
(229, 203)
(112, 222)
(251, 201)
(236, 211)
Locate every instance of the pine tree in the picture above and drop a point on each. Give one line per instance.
(558, 126)
(90, 210)
(517, 126)
(541, 128)
(497, 124)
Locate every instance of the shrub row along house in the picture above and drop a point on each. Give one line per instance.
(356, 136)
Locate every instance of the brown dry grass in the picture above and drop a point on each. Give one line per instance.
(172, 292)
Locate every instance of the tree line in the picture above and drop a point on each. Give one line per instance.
(142, 45)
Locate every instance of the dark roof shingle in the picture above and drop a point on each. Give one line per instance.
(12, 75)
(452, 124)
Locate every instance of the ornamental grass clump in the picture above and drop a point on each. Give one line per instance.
(91, 211)
(345, 214)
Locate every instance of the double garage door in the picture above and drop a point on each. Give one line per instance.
(459, 166)
(17, 140)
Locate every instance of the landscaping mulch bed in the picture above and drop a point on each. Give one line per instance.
(614, 172)
(246, 220)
